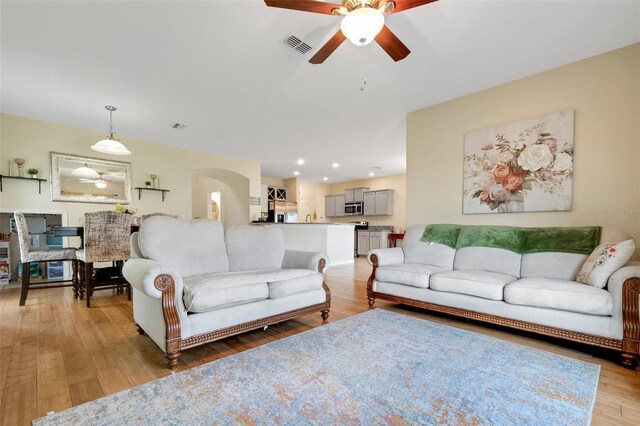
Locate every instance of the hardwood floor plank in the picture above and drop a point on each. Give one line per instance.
(55, 352)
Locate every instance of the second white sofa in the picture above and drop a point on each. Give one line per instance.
(193, 283)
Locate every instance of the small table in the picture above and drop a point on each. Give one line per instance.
(393, 239)
(78, 231)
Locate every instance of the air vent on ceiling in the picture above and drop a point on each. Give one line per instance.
(178, 126)
(296, 43)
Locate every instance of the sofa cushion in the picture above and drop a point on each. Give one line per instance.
(191, 247)
(559, 294)
(561, 266)
(488, 259)
(416, 251)
(488, 285)
(413, 274)
(287, 287)
(254, 247)
(206, 292)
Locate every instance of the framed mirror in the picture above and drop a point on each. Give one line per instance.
(89, 180)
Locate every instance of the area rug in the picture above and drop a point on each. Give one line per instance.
(377, 367)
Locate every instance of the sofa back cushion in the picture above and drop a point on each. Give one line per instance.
(416, 251)
(563, 266)
(488, 259)
(254, 247)
(556, 265)
(192, 247)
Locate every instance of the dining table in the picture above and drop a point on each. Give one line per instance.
(78, 231)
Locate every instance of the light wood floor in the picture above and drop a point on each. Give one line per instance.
(56, 353)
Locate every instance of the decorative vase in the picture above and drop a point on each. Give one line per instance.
(33, 176)
(511, 206)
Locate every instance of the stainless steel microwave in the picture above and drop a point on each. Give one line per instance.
(354, 209)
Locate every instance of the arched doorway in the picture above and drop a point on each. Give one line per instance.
(232, 199)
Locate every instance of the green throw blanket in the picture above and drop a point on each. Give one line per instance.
(581, 240)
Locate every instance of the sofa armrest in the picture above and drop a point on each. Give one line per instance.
(296, 259)
(624, 286)
(142, 273)
(616, 281)
(387, 256)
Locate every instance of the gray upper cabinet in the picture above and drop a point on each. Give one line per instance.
(334, 205)
(355, 195)
(340, 200)
(330, 206)
(378, 203)
(369, 203)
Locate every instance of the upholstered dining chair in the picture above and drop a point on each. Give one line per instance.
(27, 255)
(106, 239)
(147, 216)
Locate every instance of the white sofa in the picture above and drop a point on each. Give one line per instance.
(193, 283)
(534, 291)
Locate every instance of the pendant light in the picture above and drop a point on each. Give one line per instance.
(85, 172)
(111, 145)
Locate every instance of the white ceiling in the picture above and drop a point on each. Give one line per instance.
(220, 68)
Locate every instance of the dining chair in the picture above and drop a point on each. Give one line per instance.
(28, 255)
(106, 239)
(147, 216)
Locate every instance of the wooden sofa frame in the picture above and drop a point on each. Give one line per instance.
(175, 344)
(629, 346)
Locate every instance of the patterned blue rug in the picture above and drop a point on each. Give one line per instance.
(378, 367)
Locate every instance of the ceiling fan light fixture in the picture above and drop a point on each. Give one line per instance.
(101, 183)
(362, 25)
(111, 145)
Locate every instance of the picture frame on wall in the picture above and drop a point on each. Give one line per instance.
(524, 166)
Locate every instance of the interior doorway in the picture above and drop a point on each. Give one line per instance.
(215, 208)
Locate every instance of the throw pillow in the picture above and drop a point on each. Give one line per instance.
(604, 261)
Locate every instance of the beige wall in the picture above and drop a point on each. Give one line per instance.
(33, 140)
(311, 201)
(604, 91)
(312, 198)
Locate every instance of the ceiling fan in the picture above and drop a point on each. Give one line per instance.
(101, 182)
(362, 22)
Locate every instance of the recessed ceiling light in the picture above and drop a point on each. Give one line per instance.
(325, 178)
(335, 165)
(300, 161)
(296, 173)
(371, 174)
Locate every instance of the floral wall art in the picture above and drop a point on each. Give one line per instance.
(524, 166)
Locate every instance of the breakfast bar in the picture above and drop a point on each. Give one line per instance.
(334, 239)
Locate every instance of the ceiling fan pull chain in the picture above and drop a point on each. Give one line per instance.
(364, 74)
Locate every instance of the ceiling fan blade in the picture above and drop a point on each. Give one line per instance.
(328, 48)
(304, 5)
(401, 5)
(392, 44)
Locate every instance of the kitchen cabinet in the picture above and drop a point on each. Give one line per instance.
(371, 240)
(378, 203)
(354, 195)
(334, 205)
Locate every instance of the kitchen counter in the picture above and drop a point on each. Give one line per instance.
(333, 239)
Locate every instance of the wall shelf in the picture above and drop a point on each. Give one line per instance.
(140, 189)
(2, 177)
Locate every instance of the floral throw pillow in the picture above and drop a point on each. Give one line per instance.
(604, 261)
